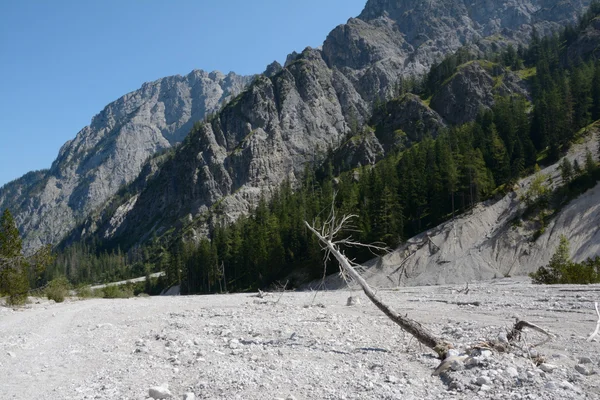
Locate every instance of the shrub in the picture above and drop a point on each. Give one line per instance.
(562, 270)
(117, 292)
(85, 292)
(58, 289)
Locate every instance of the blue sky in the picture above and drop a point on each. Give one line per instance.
(64, 60)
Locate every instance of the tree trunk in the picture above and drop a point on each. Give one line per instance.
(422, 334)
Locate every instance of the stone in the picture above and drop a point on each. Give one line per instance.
(550, 385)
(11, 354)
(483, 380)
(160, 392)
(585, 360)
(512, 372)
(189, 396)
(485, 388)
(502, 338)
(585, 369)
(452, 353)
(353, 301)
(486, 354)
(548, 368)
(473, 361)
(567, 385)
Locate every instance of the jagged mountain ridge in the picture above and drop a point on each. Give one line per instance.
(111, 151)
(286, 117)
(269, 132)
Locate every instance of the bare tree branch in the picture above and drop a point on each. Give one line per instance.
(422, 334)
(597, 325)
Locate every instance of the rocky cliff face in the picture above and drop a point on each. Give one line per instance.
(110, 152)
(472, 89)
(289, 116)
(404, 121)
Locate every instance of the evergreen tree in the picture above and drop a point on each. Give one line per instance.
(10, 241)
(14, 279)
(590, 164)
(596, 92)
(566, 170)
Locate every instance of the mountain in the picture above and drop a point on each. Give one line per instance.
(286, 118)
(292, 115)
(110, 152)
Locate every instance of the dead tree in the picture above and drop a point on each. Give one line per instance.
(327, 236)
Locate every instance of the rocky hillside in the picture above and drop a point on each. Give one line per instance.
(293, 114)
(111, 151)
(492, 241)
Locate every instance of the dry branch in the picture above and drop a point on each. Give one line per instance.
(597, 325)
(517, 330)
(326, 237)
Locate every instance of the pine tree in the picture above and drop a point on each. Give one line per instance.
(10, 240)
(14, 279)
(566, 170)
(590, 164)
(596, 93)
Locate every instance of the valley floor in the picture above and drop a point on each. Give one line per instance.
(303, 345)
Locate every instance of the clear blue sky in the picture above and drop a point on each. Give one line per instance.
(62, 61)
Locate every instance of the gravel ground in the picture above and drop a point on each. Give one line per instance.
(300, 345)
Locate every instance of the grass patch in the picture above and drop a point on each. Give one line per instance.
(526, 73)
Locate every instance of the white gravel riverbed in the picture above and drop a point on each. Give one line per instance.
(300, 345)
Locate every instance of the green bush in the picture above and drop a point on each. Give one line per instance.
(84, 292)
(561, 270)
(58, 289)
(16, 287)
(117, 292)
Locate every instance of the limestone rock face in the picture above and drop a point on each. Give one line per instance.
(111, 151)
(472, 89)
(404, 121)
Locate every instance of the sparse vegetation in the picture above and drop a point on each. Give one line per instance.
(117, 292)
(58, 289)
(562, 270)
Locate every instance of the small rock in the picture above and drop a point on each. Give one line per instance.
(457, 364)
(234, 344)
(585, 360)
(584, 369)
(189, 396)
(486, 353)
(567, 385)
(533, 353)
(159, 392)
(290, 397)
(548, 368)
(551, 385)
(502, 338)
(353, 301)
(483, 380)
(11, 354)
(512, 372)
(472, 361)
(486, 388)
(391, 379)
(452, 353)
